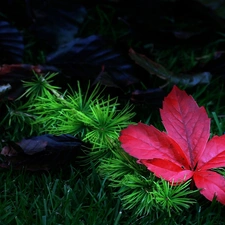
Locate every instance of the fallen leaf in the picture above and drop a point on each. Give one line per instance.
(183, 151)
(11, 43)
(41, 152)
(161, 72)
(153, 96)
(57, 22)
(83, 59)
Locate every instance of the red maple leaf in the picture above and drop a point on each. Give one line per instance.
(184, 151)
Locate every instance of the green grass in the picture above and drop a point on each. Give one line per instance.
(73, 197)
(59, 198)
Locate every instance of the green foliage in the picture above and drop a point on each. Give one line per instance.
(173, 198)
(140, 191)
(141, 197)
(17, 121)
(62, 198)
(40, 85)
(85, 198)
(90, 116)
(72, 198)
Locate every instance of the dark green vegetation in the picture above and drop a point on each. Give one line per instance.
(87, 85)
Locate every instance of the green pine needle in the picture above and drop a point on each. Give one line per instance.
(106, 122)
(88, 115)
(173, 198)
(139, 190)
(40, 85)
